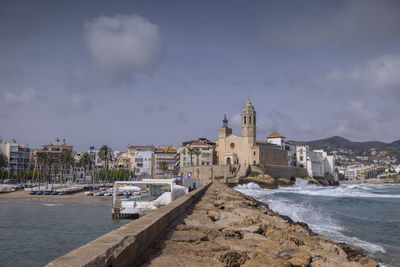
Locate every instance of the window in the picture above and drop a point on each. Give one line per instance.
(232, 145)
(249, 119)
(244, 119)
(254, 153)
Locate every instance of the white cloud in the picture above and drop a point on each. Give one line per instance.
(355, 120)
(379, 74)
(24, 96)
(124, 43)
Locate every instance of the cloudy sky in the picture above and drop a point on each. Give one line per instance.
(162, 72)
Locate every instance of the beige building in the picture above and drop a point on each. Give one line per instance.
(206, 156)
(244, 149)
(123, 161)
(168, 155)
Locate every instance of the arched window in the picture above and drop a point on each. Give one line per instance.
(249, 119)
(244, 119)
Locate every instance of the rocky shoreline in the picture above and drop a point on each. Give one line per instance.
(227, 228)
(268, 182)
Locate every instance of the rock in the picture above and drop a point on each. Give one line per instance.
(226, 228)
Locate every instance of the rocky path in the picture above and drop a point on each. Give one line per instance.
(226, 228)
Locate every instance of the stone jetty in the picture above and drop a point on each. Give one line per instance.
(226, 228)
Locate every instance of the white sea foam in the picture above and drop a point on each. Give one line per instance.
(51, 205)
(318, 220)
(354, 191)
(251, 186)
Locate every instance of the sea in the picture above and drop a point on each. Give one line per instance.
(366, 216)
(33, 234)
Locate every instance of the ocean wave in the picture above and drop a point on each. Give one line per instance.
(250, 186)
(352, 191)
(51, 205)
(319, 220)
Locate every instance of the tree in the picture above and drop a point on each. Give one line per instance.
(42, 160)
(66, 160)
(105, 153)
(163, 165)
(3, 162)
(197, 152)
(191, 152)
(86, 161)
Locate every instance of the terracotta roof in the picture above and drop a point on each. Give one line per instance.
(142, 147)
(275, 134)
(195, 143)
(163, 149)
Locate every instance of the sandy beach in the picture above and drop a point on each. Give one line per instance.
(77, 198)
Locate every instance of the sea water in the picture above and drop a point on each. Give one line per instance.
(366, 216)
(33, 234)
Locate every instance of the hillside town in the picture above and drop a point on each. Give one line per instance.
(60, 162)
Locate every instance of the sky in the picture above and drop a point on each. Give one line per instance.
(164, 72)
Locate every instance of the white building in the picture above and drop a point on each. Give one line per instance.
(277, 139)
(317, 162)
(143, 156)
(360, 172)
(18, 156)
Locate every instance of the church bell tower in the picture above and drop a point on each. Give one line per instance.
(224, 131)
(249, 123)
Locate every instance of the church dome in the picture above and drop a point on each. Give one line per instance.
(248, 108)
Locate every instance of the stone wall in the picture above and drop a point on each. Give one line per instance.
(206, 172)
(125, 246)
(285, 171)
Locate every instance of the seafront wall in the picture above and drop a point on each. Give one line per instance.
(206, 172)
(285, 171)
(125, 246)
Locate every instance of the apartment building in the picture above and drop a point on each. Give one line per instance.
(18, 156)
(143, 160)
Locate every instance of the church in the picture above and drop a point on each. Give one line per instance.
(246, 150)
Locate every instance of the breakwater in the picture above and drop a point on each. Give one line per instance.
(126, 245)
(224, 228)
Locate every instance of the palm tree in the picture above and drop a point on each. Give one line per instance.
(3, 162)
(66, 159)
(197, 152)
(86, 161)
(191, 152)
(105, 153)
(163, 165)
(42, 159)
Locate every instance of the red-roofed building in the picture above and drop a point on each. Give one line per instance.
(197, 152)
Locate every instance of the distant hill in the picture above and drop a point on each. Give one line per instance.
(337, 142)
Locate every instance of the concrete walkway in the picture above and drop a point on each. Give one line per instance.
(226, 228)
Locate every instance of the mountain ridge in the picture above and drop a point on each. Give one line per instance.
(341, 142)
